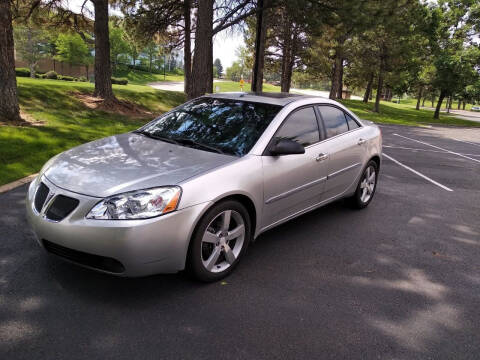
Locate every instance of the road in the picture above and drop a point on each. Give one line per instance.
(398, 280)
(178, 86)
(173, 85)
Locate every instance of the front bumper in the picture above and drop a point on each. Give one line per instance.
(143, 247)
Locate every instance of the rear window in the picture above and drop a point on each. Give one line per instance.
(233, 126)
(352, 124)
(334, 120)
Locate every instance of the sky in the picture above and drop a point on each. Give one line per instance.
(224, 43)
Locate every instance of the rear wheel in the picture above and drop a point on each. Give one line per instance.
(219, 241)
(366, 187)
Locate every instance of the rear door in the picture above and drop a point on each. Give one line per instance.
(294, 182)
(345, 149)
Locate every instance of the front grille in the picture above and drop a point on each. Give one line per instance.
(61, 207)
(41, 196)
(80, 257)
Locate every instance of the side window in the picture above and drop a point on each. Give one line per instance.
(334, 120)
(300, 126)
(352, 124)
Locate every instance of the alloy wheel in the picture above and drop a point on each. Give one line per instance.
(368, 183)
(223, 241)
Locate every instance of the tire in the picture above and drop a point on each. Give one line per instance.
(365, 190)
(219, 241)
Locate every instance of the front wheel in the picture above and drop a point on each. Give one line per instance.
(219, 241)
(366, 187)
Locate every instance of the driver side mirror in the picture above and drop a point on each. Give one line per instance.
(286, 147)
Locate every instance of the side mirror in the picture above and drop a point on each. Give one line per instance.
(286, 147)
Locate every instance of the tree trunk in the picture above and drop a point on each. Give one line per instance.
(54, 63)
(86, 71)
(464, 104)
(288, 56)
(103, 70)
(333, 86)
(32, 70)
(423, 101)
(260, 38)
(337, 76)
(419, 98)
(369, 88)
(340, 81)
(459, 103)
(433, 100)
(187, 47)
(449, 104)
(202, 70)
(9, 109)
(439, 104)
(389, 94)
(379, 87)
(287, 76)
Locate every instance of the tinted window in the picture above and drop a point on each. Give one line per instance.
(301, 126)
(231, 126)
(352, 124)
(334, 119)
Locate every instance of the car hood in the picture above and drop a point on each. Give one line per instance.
(128, 162)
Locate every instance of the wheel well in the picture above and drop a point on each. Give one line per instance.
(376, 158)
(249, 205)
(242, 199)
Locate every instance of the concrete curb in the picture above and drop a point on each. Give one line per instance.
(17, 183)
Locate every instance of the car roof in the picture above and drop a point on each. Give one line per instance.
(281, 99)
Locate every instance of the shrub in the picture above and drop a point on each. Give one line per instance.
(119, 81)
(22, 72)
(82, 78)
(65, 78)
(51, 75)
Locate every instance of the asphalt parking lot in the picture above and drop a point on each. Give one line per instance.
(399, 280)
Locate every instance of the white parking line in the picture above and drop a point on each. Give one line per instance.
(438, 147)
(467, 142)
(417, 173)
(416, 149)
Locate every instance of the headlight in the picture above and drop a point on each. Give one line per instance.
(140, 204)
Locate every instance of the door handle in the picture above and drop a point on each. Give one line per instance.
(321, 157)
(361, 141)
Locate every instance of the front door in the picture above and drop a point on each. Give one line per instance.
(293, 183)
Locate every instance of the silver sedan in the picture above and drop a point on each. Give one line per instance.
(192, 188)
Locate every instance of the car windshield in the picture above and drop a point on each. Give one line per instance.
(220, 125)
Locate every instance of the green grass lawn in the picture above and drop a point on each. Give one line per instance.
(23, 150)
(136, 77)
(428, 103)
(403, 114)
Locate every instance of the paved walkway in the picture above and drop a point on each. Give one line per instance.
(461, 114)
(324, 94)
(178, 86)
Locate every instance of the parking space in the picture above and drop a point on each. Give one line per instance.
(398, 280)
(444, 159)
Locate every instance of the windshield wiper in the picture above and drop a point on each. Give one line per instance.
(156, 137)
(193, 143)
